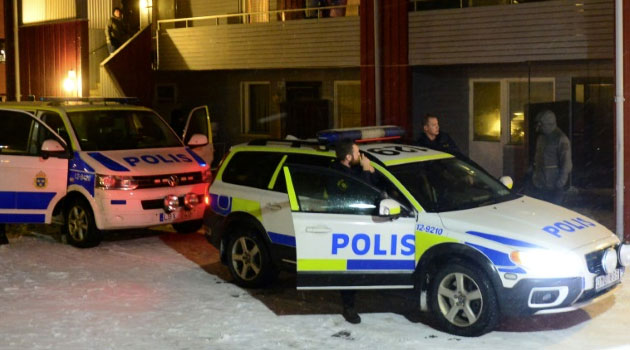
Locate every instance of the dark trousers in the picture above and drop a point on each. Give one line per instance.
(3, 234)
(347, 298)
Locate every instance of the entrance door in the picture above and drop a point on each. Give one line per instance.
(341, 241)
(498, 125)
(34, 169)
(199, 123)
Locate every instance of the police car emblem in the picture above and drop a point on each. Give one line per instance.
(40, 180)
(173, 181)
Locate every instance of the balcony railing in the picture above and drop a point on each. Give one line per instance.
(263, 17)
(426, 5)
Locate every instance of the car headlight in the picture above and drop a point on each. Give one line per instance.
(548, 263)
(112, 182)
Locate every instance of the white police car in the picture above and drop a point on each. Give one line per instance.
(472, 248)
(97, 166)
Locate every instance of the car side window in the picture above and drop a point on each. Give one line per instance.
(21, 134)
(252, 169)
(56, 123)
(330, 191)
(303, 159)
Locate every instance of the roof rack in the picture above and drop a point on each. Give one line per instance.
(293, 143)
(90, 100)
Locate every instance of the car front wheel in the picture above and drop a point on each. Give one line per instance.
(463, 301)
(80, 228)
(248, 259)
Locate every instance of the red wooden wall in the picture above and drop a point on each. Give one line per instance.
(48, 52)
(626, 112)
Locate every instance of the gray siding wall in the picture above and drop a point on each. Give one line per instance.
(198, 8)
(328, 42)
(551, 30)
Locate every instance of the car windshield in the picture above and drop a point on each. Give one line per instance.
(450, 184)
(121, 129)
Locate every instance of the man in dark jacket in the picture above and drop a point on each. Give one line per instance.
(431, 137)
(3, 234)
(350, 161)
(115, 32)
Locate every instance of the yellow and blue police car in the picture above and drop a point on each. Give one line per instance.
(94, 165)
(471, 248)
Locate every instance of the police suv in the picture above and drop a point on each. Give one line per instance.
(101, 164)
(472, 249)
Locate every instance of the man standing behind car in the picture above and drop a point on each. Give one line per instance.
(115, 32)
(552, 162)
(350, 161)
(431, 137)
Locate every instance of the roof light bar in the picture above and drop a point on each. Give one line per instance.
(361, 135)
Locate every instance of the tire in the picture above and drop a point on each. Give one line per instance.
(186, 227)
(79, 227)
(248, 259)
(463, 301)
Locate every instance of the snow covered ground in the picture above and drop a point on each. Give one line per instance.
(158, 290)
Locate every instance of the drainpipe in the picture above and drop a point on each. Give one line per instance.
(619, 116)
(377, 64)
(16, 49)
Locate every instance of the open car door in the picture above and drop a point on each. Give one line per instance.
(198, 122)
(342, 241)
(34, 168)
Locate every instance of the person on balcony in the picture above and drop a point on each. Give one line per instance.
(116, 31)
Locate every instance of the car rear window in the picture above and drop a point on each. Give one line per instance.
(252, 169)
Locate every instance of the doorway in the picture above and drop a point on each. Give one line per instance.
(307, 112)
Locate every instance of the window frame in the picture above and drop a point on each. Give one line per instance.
(245, 111)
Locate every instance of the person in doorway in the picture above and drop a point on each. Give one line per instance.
(552, 160)
(115, 32)
(431, 137)
(3, 234)
(350, 161)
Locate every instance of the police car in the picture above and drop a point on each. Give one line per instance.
(100, 164)
(472, 249)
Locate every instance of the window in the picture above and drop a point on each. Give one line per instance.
(198, 124)
(347, 104)
(253, 169)
(522, 94)
(54, 121)
(303, 159)
(487, 111)
(255, 107)
(259, 7)
(166, 93)
(322, 190)
(22, 135)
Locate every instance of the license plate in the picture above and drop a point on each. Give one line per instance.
(174, 216)
(604, 281)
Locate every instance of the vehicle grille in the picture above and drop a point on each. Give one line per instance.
(594, 261)
(163, 180)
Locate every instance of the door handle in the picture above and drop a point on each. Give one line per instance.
(318, 229)
(273, 206)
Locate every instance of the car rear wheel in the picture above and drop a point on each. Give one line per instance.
(463, 301)
(185, 227)
(248, 259)
(79, 227)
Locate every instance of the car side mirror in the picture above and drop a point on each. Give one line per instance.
(388, 207)
(507, 181)
(198, 140)
(53, 148)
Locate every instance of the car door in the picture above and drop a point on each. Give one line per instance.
(341, 241)
(34, 174)
(198, 122)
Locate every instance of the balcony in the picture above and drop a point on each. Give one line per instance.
(325, 37)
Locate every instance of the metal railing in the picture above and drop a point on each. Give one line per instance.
(427, 5)
(265, 16)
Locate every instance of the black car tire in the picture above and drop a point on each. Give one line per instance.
(248, 259)
(79, 226)
(463, 301)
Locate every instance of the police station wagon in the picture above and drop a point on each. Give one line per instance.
(472, 249)
(97, 165)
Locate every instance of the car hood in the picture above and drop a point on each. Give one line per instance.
(139, 162)
(528, 222)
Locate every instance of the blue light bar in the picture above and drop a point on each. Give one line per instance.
(362, 134)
